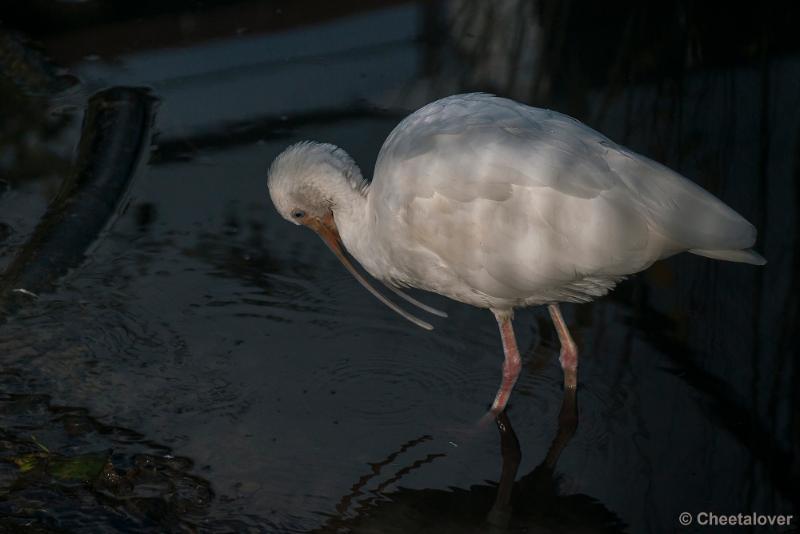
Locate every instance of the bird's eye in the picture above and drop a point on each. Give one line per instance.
(298, 214)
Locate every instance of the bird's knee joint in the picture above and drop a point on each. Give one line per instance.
(568, 359)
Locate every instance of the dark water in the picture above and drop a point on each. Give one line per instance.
(209, 367)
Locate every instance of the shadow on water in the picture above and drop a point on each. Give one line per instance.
(260, 380)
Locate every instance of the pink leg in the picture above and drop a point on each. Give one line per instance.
(512, 363)
(569, 351)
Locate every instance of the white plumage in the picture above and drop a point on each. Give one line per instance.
(501, 205)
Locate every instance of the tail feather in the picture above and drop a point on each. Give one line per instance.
(741, 256)
(683, 211)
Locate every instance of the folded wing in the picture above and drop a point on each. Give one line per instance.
(516, 199)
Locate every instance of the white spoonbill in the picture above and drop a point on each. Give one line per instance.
(501, 205)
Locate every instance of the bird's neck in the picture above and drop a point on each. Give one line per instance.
(353, 216)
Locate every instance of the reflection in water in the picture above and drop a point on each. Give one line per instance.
(534, 503)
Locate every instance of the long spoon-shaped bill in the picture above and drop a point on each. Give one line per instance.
(327, 230)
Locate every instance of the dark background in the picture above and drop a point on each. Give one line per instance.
(202, 327)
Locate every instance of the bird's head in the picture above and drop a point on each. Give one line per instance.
(304, 179)
(303, 182)
(308, 182)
